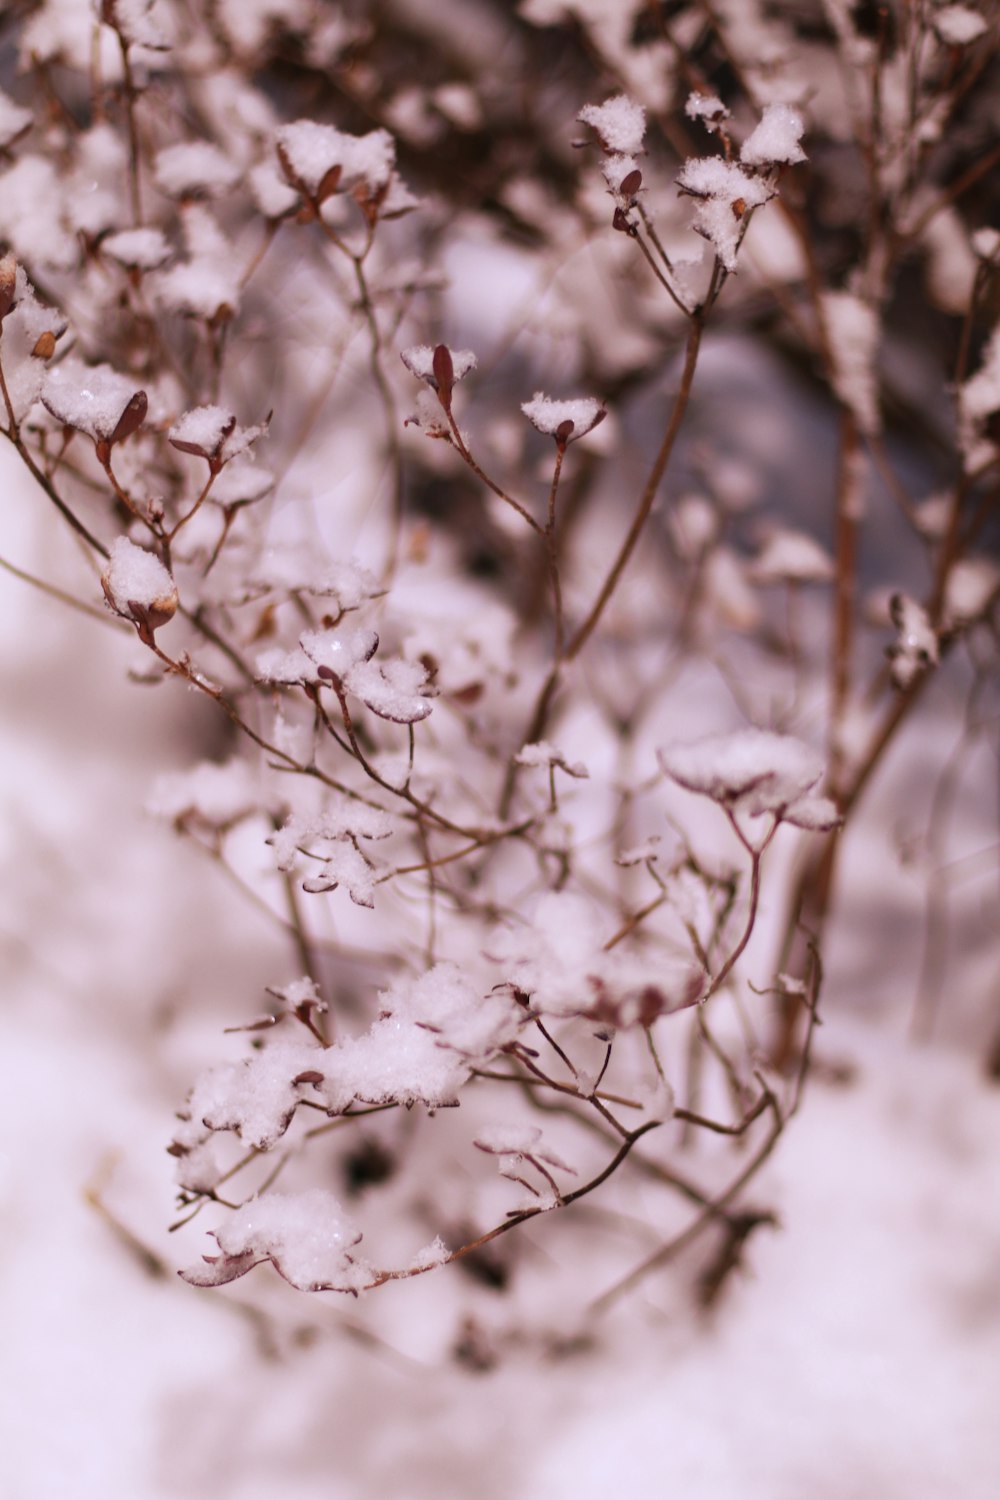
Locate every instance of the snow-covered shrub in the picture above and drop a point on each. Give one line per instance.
(526, 679)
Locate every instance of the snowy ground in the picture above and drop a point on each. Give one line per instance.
(858, 1356)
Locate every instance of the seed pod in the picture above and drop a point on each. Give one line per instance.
(131, 418)
(8, 281)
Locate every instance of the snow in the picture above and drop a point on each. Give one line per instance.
(211, 432)
(852, 327)
(541, 753)
(91, 398)
(753, 771)
(986, 243)
(138, 22)
(31, 219)
(256, 1097)
(726, 194)
(241, 483)
(792, 557)
(508, 1139)
(971, 589)
(958, 25)
(136, 580)
(620, 123)
(143, 249)
(311, 151)
(978, 399)
(434, 1254)
(274, 197)
(194, 169)
(707, 108)
(203, 430)
(339, 650)
(561, 964)
(775, 140)
(853, 1352)
(419, 360)
(393, 689)
(14, 121)
(30, 332)
(213, 794)
(615, 170)
(206, 284)
(549, 416)
(916, 646)
(307, 1235)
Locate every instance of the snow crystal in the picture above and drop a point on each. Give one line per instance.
(143, 249)
(751, 770)
(791, 557)
(310, 151)
(194, 169)
(620, 123)
(776, 138)
(549, 416)
(853, 330)
(135, 581)
(419, 360)
(957, 25)
(306, 1235)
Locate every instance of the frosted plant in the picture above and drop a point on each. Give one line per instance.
(548, 898)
